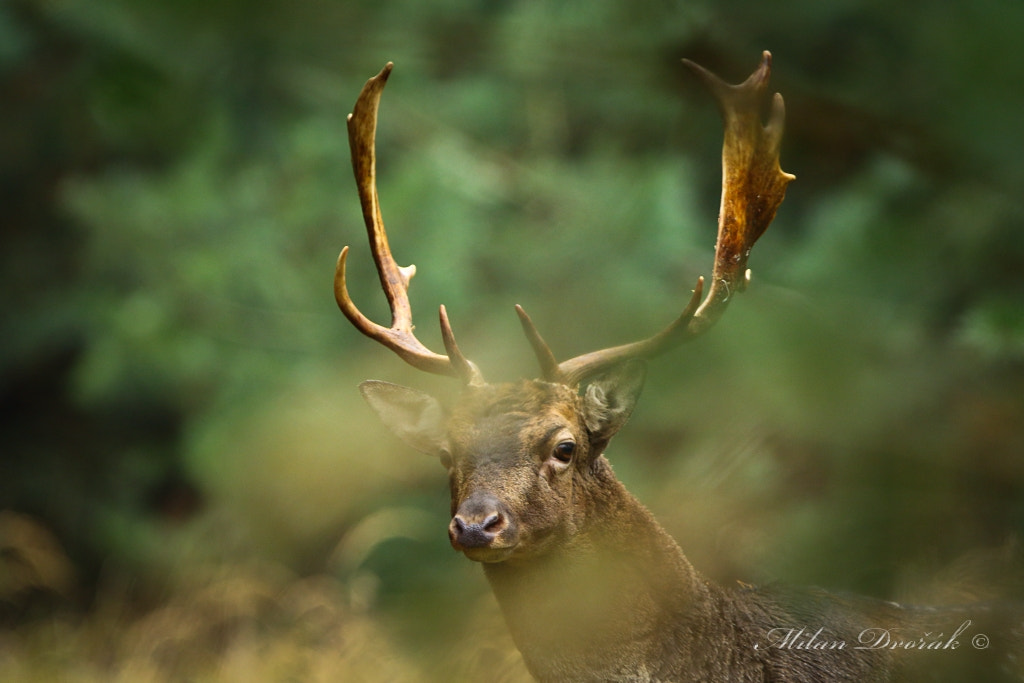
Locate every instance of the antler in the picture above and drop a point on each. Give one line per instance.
(753, 186)
(394, 279)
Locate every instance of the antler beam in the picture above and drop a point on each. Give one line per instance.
(394, 279)
(753, 187)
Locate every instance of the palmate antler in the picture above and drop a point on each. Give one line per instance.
(753, 186)
(362, 133)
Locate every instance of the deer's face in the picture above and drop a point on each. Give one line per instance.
(514, 454)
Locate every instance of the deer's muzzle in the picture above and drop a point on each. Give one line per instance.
(483, 528)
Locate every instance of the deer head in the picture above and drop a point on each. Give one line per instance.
(525, 459)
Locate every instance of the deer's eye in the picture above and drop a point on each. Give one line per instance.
(564, 450)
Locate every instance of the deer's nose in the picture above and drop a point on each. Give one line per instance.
(478, 522)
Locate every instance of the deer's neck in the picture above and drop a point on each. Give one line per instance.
(619, 601)
(612, 595)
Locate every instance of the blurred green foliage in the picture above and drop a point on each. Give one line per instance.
(178, 388)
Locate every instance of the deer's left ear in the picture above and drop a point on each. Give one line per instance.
(609, 401)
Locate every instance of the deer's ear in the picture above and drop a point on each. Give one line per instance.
(609, 401)
(414, 416)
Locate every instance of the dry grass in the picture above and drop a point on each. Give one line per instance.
(246, 622)
(234, 624)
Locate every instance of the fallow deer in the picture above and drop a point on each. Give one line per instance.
(591, 587)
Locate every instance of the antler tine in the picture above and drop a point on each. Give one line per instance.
(753, 187)
(461, 365)
(394, 279)
(549, 369)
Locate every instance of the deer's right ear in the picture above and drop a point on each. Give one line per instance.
(609, 401)
(414, 416)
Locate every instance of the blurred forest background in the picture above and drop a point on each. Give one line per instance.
(190, 485)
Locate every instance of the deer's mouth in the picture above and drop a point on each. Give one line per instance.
(487, 554)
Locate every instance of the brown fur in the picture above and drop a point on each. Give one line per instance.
(592, 587)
